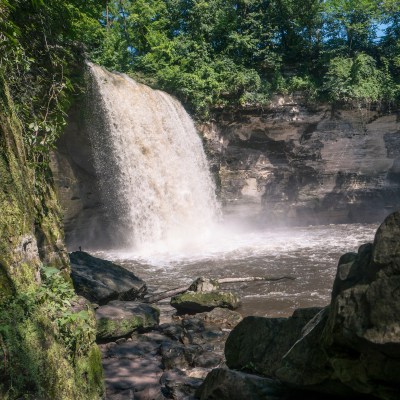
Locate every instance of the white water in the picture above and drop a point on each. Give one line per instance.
(160, 190)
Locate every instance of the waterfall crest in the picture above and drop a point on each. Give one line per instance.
(151, 166)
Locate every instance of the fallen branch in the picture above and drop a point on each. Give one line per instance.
(182, 289)
(253, 279)
(164, 295)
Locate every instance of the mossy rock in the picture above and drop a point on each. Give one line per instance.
(195, 302)
(121, 318)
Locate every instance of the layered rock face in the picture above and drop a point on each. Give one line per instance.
(295, 164)
(77, 184)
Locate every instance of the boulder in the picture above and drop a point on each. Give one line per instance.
(194, 302)
(258, 344)
(204, 285)
(101, 281)
(352, 347)
(225, 384)
(222, 317)
(121, 318)
(178, 385)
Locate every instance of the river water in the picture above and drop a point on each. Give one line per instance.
(308, 254)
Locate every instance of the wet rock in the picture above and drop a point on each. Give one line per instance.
(121, 318)
(259, 343)
(225, 384)
(173, 331)
(101, 281)
(204, 285)
(280, 164)
(193, 302)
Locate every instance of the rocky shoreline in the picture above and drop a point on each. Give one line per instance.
(349, 349)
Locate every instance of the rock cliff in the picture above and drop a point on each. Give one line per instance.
(294, 163)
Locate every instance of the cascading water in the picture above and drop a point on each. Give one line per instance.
(151, 166)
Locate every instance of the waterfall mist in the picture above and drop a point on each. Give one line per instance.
(150, 164)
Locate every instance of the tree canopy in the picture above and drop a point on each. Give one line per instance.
(214, 53)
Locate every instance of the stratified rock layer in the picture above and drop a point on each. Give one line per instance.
(293, 163)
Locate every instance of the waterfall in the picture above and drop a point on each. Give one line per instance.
(152, 170)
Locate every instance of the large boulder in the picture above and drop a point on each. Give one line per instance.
(356, 348)
(101, 281)
(257, 343)
(121, 318)
(351, 347)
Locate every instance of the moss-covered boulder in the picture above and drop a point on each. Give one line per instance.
(121, 318)
(194, 302)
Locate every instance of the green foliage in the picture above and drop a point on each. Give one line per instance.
(40, 333)
(354, 79)
(214, 53)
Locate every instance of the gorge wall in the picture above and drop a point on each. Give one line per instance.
(301, 164)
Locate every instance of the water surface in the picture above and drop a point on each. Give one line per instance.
(309, 254)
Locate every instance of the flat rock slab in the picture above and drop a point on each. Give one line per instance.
(101, 281)
(138, 376)
(120, 318)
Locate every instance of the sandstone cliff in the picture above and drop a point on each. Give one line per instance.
(294, 163)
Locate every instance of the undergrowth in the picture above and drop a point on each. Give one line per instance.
(46, 343)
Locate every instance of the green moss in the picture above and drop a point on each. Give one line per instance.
(48, 347)
(107, 328)
(6, 286)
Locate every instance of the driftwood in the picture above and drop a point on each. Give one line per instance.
(173, 292)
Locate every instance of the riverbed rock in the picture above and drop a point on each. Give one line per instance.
(258, 344)
(221, 317)
(193, 302)
(178, 385)
(121, 318)
(204, 285)
(225, 384)
(101, 281)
